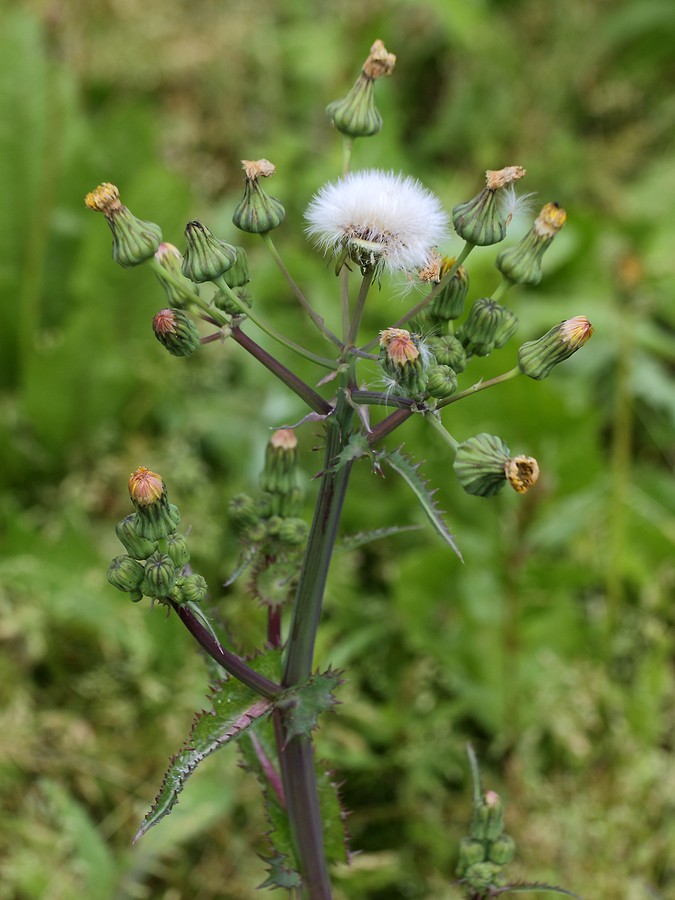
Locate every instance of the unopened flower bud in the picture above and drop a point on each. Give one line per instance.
(243, 511)
(479, 465)
(448, 351)
(507, 327)
(471, 851)
(522, 472)
(178, 549)
(478, 332)
(442, 382)
(136, 546)
(537, 358)
(279, 474)
(481, 876)
(191, 589)
(272, 583)
(176, 331)
(159, 577)
(206, 257)
(293, 532)
(484, 219)
(403, 361)
(155, 517)
(502, 850)
(126, 574)
(522, 264)
(235, 277)
(171, 260)
(134, 240)
(289, 504)
(449, 302)
(356, 114)
(258, 212)
(495, 818)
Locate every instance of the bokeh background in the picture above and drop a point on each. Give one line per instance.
(551, 648)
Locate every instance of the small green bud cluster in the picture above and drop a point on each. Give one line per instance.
(156, 564)
(487, 849)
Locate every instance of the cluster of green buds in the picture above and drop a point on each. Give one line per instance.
(485, 852)
(356, 115)
(156, 562)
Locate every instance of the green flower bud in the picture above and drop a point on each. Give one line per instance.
(478, 332)
(449, 302)
(274, 523)
(160, 576)
(235, 278)
(274, 583)
(178, 549)
(405, 360)
(171, 260)
(176, 331)
(471, 851)
(255, 534)
(481, 876)
(484, 219)
(125, 573)
(279, 474)
(134, 240)
(293, 532)
(480, 469)
(288, 504)
(448, 351)
(507, 327)
(258, 213)
(495, 817)
(442, 382)
(206, 257)
(502, 850)
(243, 511)
(537, 358)
(356, 114)
(191, 589)
(522, 263)
(155, 517)
(135, 545)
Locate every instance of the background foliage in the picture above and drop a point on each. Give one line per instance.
(551, 649)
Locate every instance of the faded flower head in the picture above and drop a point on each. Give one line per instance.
(378, 219)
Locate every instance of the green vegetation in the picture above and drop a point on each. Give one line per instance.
(551, 649)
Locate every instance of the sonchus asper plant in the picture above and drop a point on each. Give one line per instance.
(369, 222)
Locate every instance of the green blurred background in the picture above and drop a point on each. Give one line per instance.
(551, 649)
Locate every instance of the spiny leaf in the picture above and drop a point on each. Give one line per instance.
(333, 816)
(357, 447)
(409, 471)
(235, 708)
(528, 887)
(305, 704)
(353, 541)
(279, 875)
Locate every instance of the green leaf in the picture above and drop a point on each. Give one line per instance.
(409, 471)
(354, 541)
(531, 887)
(235, 708)
(357, 446)
(333, 816)
(306, 703)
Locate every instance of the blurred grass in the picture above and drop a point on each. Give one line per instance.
(551, 649)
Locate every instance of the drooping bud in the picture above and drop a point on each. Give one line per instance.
(178, 549)
(136, 546)
(449, 302)
(471, 851)
(356, 114)
(537, 358)
(448, 351)
(126, 574)
(478, 332)
(502, 850)
(258, 212)
(206, 257)
(479, 465)
(191, 589)
(159, 577)
(279, 474)
(522, 264)
(484, 219)
(171, 260)
(442, 382)
(522, 472)
(403, 361)
(155, 517)
(134, 240)
(176, 331)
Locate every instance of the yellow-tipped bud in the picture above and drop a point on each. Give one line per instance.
(134, 240)
(537, 358)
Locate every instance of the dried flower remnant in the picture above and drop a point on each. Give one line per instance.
(522, 472)
(483, 220)
(378, 219)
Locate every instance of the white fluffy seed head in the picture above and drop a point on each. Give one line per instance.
(394, 217)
